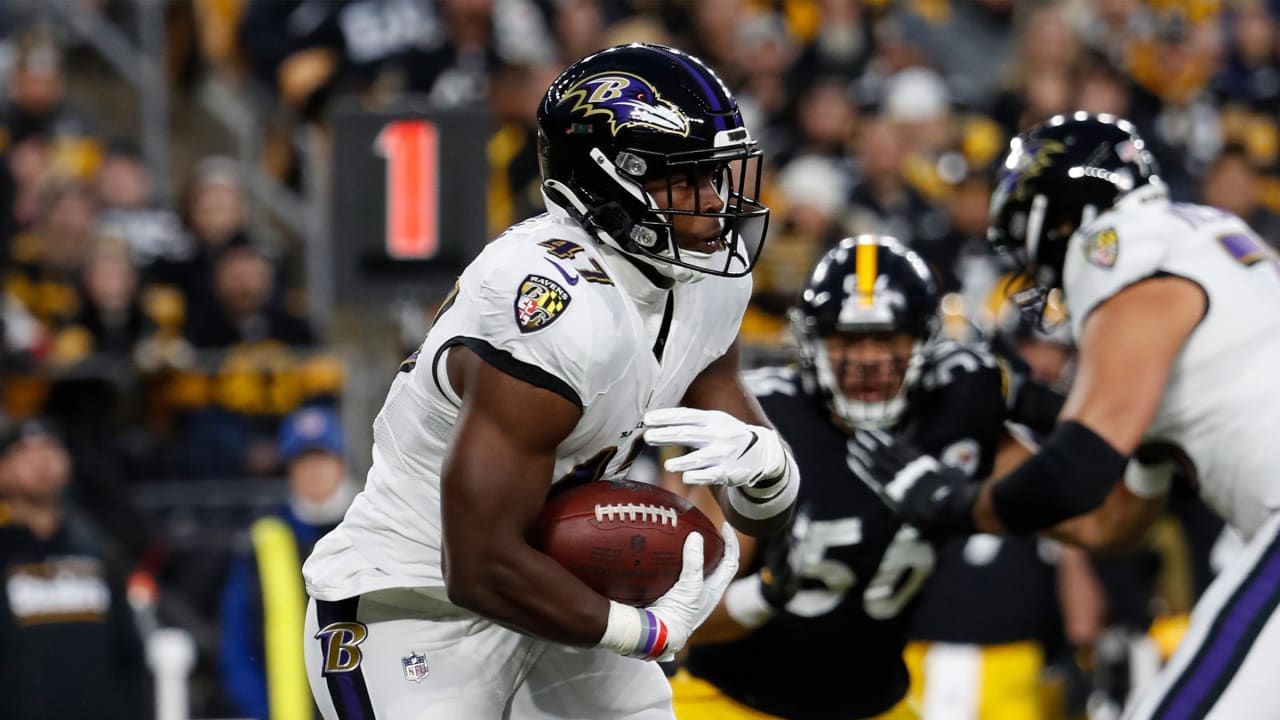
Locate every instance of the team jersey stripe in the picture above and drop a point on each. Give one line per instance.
(866, 263)
(514, 367)
(348, 690)
(1227, 643)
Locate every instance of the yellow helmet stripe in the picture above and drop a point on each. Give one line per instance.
(868, 252)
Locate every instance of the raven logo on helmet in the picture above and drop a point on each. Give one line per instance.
(1026, 162)
(628, 101)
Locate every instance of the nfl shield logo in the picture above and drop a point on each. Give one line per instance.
(415, 667)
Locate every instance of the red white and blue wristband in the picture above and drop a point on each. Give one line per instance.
(653, 636)
(635, 632)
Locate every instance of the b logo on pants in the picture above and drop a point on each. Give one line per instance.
(341, 646)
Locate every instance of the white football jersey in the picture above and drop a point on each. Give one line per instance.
(1222, 401)
(547, 303)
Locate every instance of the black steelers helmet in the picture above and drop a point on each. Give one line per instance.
(870, 284)
(630, 115)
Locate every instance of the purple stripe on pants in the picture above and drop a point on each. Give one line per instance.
(1234, 628)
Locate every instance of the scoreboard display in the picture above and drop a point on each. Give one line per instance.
(408, 200)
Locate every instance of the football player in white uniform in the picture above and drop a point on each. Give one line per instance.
(1173, 307)
(572, 335)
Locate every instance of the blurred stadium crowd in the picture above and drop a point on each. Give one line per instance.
(157, 336)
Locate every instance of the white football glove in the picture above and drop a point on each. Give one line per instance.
(659, 631)
(726, 451)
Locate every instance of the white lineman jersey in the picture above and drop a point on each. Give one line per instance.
(1222, 402)
(546, 303)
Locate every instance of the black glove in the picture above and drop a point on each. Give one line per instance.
(936, 499)
(779, 580)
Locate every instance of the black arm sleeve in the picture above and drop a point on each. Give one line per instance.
(1070, 475)
(1036, 405)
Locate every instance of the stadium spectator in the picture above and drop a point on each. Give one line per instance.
(263, 601)
(1232, 184)
(46, 262)
(1250, 73)
(213, 211)
(515, 184)
(127, 212)
(971, 41)
(837, 39)
(250, 352)
(1039, 75)
(825, 122)
(241, 311)
(111, 313)
(26, 164)
(883, 201)
(36, 102)
(807, 222)
(69, 646)
(578, 26)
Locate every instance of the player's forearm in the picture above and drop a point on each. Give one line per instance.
(755, 524)
(1072, 473)
(1118, 524)
(524, 589)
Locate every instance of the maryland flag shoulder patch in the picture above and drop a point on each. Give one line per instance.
(538, 303)
(1102, 248)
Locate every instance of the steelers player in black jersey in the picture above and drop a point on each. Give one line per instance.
(976, 653)
(816, 625)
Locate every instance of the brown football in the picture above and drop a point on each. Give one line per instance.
(623, 538)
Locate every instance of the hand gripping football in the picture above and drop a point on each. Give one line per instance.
(623, 538)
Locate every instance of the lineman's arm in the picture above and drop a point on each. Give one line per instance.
(1127, 351)
(1119, 522)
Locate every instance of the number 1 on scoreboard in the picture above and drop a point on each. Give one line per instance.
(411, 149)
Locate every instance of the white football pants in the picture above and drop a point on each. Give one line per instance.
(403, 655)
(1227, 667)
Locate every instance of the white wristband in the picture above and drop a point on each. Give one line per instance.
(634, 632)
(764, 491)
(781, 495)
(1148, 481)
(745, 602)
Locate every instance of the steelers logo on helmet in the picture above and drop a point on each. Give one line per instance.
(644, 147)
(864, 322)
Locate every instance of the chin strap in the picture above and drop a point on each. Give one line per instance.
(610, 224)
(608, 219)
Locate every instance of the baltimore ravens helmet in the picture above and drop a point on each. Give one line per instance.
(630, 115)
(870, 284)
(1056, 178)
